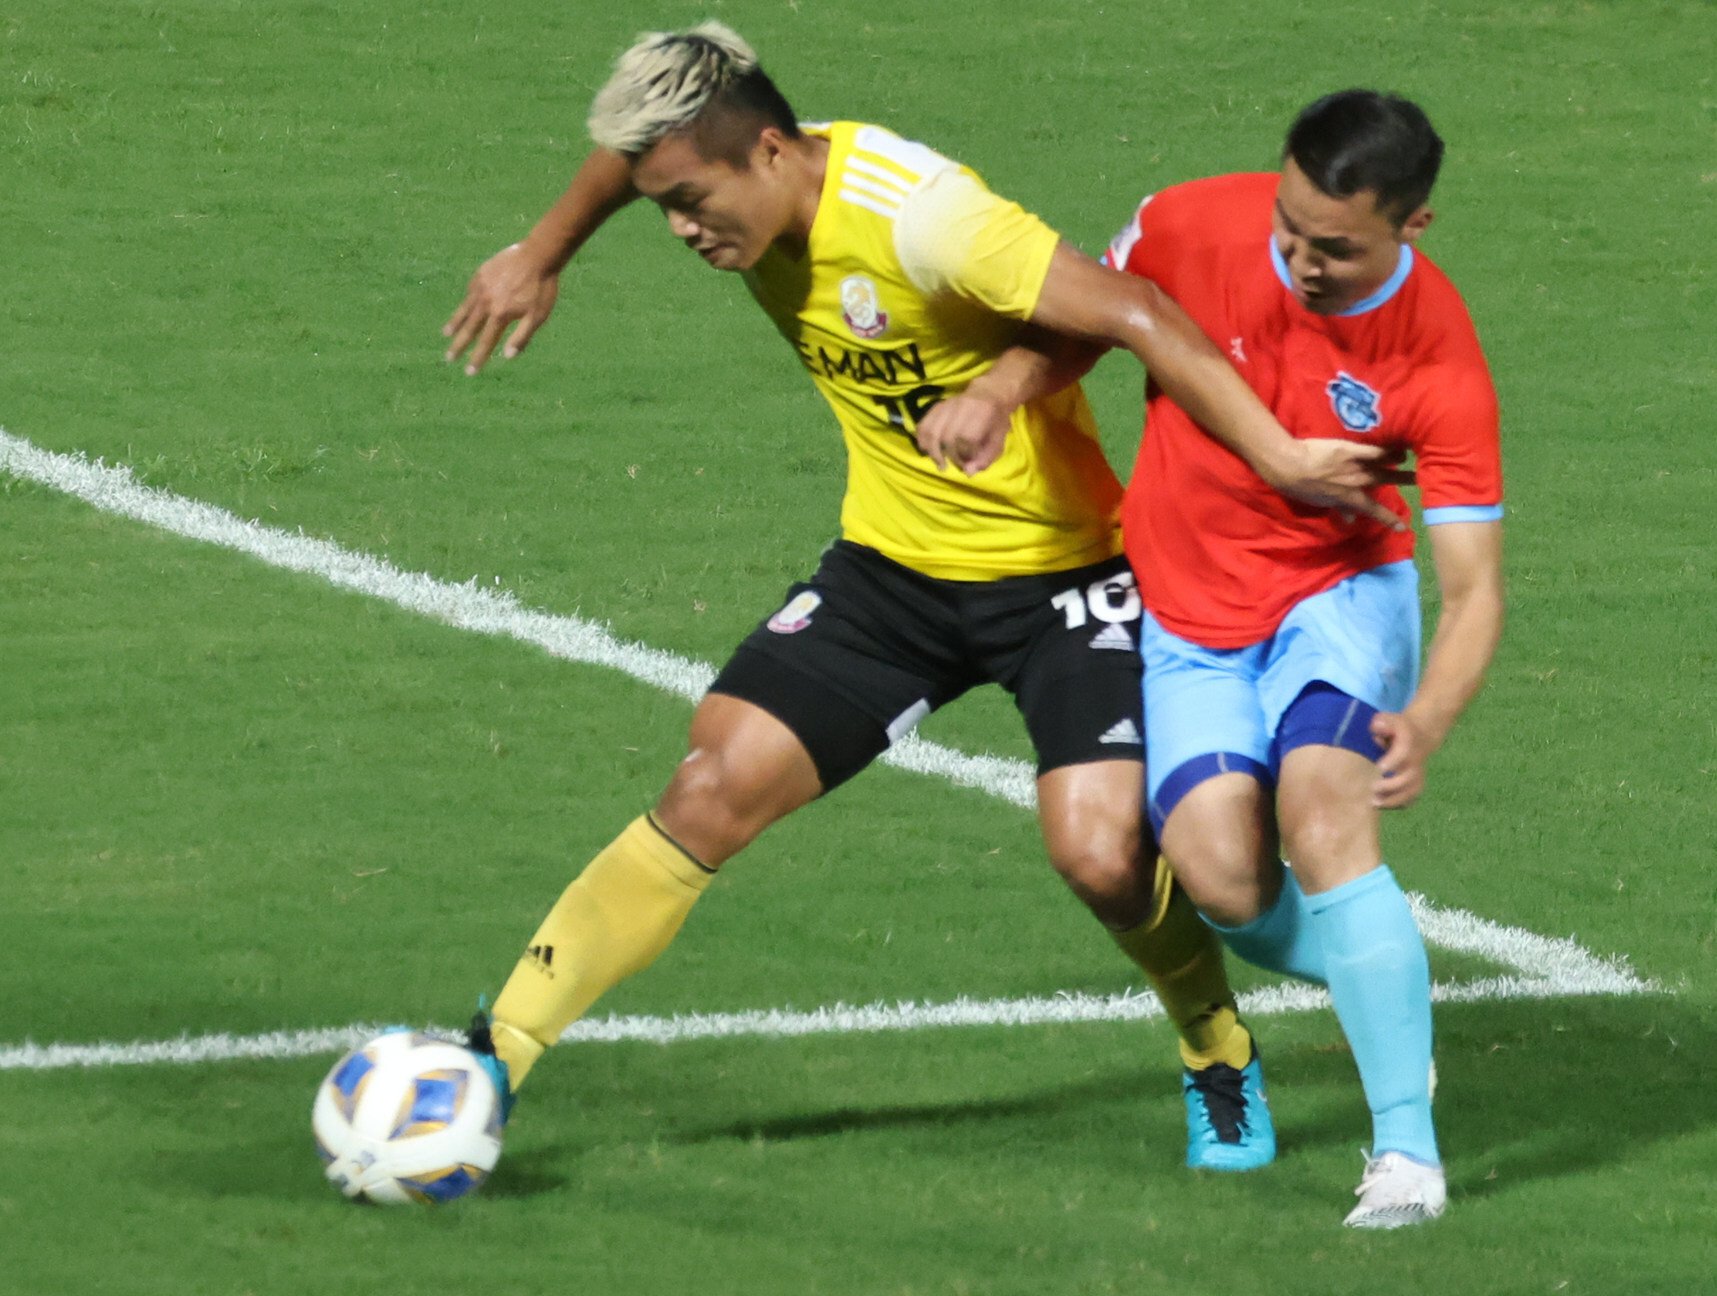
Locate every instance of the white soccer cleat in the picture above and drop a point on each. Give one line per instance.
(1396, 1191)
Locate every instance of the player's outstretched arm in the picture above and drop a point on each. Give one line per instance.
(970, 429)
(1103, 306)
(522, 281)
(1468, 559)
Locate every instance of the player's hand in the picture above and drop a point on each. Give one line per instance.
(1336, 474)
(966, 430)
(511, 285)
(1407, 748)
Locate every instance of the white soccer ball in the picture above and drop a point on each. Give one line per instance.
(407, 1118)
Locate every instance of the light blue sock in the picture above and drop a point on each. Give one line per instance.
(1280, 939)
(1380, 982)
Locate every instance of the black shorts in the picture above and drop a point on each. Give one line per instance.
(867, 648)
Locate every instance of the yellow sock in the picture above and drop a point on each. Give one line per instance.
(614, 919)
(1183, 959)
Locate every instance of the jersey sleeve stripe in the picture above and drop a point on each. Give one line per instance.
(1120, 247)
(887, 193)
(1463, 513)
(891, 210)
(912, 161)
(898, 178)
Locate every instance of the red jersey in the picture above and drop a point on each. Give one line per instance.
(1221, 557)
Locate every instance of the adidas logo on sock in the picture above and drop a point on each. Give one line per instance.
(1122, 731)
(1113, 636)
(543, 957)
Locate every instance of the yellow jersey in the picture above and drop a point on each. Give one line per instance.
(915, 280)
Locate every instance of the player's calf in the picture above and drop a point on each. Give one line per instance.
(1228, 1117)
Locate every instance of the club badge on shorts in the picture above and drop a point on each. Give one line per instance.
(797, 614)
(861, 308)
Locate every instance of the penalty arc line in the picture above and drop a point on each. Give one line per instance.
(1541, 966)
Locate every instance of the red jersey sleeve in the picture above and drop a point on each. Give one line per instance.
(1459, 452)
(1456, 436)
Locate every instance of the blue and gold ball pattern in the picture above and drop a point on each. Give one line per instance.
(407, 1117)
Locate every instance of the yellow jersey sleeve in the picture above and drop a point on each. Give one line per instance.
(955, 235)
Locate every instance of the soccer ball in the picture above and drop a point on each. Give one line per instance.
(407, 1118)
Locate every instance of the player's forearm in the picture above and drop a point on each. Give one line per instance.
(1109, 309)
(1196, 376)
(1468, 631)
(1038, 365)
(601, 187)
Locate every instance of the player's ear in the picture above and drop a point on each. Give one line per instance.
(1415, 225)
(770, 148)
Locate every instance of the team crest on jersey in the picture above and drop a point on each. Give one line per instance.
(861, 308)
(797, 614)
(1355, 403)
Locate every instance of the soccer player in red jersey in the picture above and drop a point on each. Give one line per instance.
(1283, 698)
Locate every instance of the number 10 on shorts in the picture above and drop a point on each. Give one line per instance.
(1113, 599)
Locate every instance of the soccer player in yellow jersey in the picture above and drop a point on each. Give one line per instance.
(897, 278)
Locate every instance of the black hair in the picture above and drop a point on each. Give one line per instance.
(728, 128)
(1360, 140)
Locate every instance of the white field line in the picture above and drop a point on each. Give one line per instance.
(469, 606)
(1578, 973)
(1542, 967)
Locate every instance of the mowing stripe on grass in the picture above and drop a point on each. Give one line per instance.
(1542, 967)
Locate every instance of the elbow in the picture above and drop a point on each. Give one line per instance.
(1109, 308)
(1146, 307)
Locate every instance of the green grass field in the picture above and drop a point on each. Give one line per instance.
(235, 799)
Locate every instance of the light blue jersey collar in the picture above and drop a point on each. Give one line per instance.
(1391, 286)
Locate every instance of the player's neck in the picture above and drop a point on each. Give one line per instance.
(811, 157)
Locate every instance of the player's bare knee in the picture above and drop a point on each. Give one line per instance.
(1097, 869)
(1228, 897)
(1110, 878)
(1219, 871)
(1093, 839)
(1201, 859)
(1330, 843)
(710, 807)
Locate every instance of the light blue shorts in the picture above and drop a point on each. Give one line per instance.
(1210, 711)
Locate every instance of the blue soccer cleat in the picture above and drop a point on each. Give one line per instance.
(481, 1041)
(1228, 1124)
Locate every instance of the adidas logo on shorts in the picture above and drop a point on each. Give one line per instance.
(1122, 731)
(1113, 636)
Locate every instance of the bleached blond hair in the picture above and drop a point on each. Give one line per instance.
(664, 82)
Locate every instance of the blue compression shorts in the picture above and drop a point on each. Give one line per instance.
(1335, 661)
